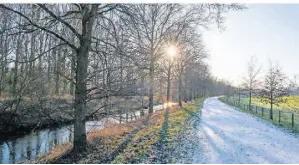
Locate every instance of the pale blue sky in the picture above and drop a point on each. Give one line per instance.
(268, 31)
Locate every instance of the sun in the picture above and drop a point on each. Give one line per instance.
(171, 51)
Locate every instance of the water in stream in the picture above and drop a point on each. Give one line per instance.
(43, 141)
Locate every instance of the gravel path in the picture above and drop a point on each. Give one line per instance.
(230, 136)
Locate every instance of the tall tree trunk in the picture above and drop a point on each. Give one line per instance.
(3, 52)
(40, 59)
(81, 77)
(2, 62)
(49, 65)
(73, 70)
(32, 54)
(180, 89)
(32, 44)
(142, 94)
(15, 79)
(4, 69)
(121, 74)
(151, 86)
(80, 98)
(194, 92)
(249, 99)
(185, 95)
(57, 71)
(168, 84)
(239, 97)
(62, 70)
(271, 107)
(54, 70)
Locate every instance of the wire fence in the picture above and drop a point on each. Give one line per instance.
(283, 118)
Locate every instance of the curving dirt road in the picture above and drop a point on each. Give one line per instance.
(230, 136)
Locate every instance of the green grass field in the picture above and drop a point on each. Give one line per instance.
(291, 104)
(282, 114)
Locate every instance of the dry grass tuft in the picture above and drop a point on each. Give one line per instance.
(58, 151)
(110, 131)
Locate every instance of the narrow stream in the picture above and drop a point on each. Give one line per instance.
(43, 141)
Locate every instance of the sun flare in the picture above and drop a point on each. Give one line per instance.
(171, 51)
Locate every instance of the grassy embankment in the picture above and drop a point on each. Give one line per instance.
(134, 142)
(146, 143)
(286, 109)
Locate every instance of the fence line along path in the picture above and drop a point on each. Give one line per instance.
(285, 119)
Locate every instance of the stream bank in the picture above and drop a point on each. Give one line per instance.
(41, 142)
(136, 141)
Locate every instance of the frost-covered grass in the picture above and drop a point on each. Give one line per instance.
(141, 144)
(144, 147)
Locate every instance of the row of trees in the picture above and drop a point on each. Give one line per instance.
(271, 88)
(106, 53)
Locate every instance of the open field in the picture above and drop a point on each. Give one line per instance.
(291, 104)
(282, 116)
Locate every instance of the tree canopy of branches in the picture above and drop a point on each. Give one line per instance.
(106, 53)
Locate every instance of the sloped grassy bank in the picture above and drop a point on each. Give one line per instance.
(157, 142)
(153, 139)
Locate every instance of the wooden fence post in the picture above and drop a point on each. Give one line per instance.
(292, 120)
(279, 116)
(255, 109)
(262, 111)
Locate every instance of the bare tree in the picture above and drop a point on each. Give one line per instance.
(251, 80)
(87, 14)
(274, 88)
